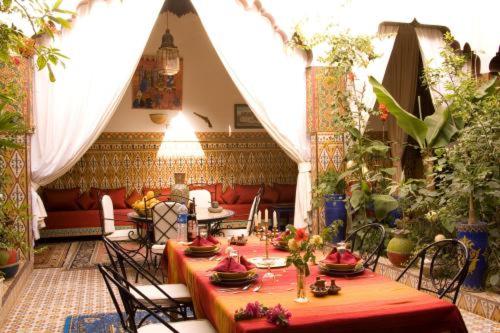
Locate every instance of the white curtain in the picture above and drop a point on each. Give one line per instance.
(104, 46)
(383, 45)
(270, 77)
(431, 44)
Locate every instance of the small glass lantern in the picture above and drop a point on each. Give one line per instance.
(167, 56)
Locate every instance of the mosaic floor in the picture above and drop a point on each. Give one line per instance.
(52, 294)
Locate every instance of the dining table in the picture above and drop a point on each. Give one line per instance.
(368, 302)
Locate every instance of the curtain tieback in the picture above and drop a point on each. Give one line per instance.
(304, 167)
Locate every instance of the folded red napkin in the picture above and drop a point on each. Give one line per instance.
(229, 265)
(346, 258)
(200, 241)
(212, 239)
(248, 265)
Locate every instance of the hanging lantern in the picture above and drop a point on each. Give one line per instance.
(167, 56)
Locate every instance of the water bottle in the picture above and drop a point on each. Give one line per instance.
(182, 217)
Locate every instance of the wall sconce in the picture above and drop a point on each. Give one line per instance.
(158, 118)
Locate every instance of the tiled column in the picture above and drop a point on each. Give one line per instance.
(327, 143)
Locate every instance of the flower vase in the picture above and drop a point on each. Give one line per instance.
(301, 285)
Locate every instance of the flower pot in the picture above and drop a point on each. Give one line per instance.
(393, 215)
(475, 238)
(399, 249)
(9, 262)
(335, 210)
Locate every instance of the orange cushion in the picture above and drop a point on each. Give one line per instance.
(86, 201)
(117, 196)
(132, 198)
(246, 193)
(286, 191)
(270, 195)
(230, 196)
(61, 199)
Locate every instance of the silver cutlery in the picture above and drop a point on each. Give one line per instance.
(256, 289)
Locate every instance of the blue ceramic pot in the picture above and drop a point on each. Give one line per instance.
(335, 210)
(475, 237)
(9, 270)
(393, 215)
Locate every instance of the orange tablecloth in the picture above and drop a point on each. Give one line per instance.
(366, 303)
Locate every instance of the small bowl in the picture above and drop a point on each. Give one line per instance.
(319, 292)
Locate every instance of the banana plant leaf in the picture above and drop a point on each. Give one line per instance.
(383, 204)
(440, 128)
(410, 124)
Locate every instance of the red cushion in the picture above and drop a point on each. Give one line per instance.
(246, 193)
(62, 199)
(83, 219)
(218, 192)
(210, 188)
(132, 198)
(270, 195)
(161, 194)
(230, 196)
(86, 201)
(117, 196)
(286, 191)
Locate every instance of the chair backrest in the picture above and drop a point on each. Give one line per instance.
(164, 216)
(254, 209)
(107, 215)
(113, 279)
(446, 263)
(368, 241)
(202, 198)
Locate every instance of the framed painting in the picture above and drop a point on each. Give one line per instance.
(244, 117)
(150, 90)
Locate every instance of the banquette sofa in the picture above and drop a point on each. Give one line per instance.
(71, 213)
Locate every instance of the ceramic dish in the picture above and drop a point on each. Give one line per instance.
(234, 275)
(206, 248)
(319, 292)
(195, 254)
(260, 262)
(215, 210)
(214, 279)
(331, 272)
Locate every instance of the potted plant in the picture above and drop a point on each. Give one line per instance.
(330, 192)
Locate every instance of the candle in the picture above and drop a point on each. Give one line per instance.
(260, 216)
(256, 219)
(266, 216)
(275, 220)
(229, 130)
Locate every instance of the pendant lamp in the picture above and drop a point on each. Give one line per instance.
(167, 56)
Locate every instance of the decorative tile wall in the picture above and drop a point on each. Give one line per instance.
(129, 159)
(14, 163)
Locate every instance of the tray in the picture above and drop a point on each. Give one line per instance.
(233, 283)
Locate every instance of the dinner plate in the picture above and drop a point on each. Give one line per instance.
(235, 275)
(276, 262)
(232, 283)
(202, 254)
(338, 267)
(331, 272)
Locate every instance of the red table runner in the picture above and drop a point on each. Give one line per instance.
(366, 303)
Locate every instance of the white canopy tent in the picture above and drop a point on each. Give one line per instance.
(244, 33)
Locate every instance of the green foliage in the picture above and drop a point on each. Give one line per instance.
(331, 182)
(330, 232)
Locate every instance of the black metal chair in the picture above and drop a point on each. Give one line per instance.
(172, 298)
(127, 294)
(368, 241)
(446, 263)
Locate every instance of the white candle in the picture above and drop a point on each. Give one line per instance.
(275, 219)
(256, 219)
(229, 130)
(266, 216)
(260, 216)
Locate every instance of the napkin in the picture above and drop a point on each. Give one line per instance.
(200, 241)
(346, 258)
(248, 265)
(212, 239)
(229, 265)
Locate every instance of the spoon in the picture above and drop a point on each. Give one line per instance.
(256, 289)
(246, 287)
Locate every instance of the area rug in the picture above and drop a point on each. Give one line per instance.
(99, 322)
(85, 255)
(51, 255)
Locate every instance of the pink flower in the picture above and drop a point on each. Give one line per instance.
(254, 310)
(278, 315)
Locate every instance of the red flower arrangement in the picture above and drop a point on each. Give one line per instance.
(384, 113)
(277, 315)
(301, 235)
